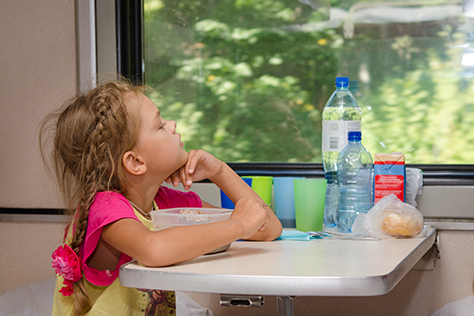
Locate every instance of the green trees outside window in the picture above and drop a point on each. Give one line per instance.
(247, 80)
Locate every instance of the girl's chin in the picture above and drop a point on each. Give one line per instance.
(184, 157)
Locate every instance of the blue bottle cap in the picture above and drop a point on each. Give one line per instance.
(342, 81)
(354, 136)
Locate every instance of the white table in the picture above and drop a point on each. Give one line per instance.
(284, 268)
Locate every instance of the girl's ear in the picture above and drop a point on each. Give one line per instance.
(133, 163)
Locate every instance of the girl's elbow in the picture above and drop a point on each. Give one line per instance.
(274, 231)
(268, 234)
(274, 234)
(155, 260)
(154, 254)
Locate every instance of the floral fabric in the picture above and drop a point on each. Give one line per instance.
(67, 264)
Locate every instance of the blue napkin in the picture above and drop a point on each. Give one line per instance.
(295, 235)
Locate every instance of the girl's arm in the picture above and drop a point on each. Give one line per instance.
(236, 188)
(182, 243)
(202, 165)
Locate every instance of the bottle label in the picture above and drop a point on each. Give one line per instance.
(335, 134)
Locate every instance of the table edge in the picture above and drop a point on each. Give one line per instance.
(279, 285)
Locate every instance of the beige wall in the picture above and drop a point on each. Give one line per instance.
(38, 72)
(26, 249)
(38, 65)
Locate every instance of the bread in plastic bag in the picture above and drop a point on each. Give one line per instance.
(390, 217)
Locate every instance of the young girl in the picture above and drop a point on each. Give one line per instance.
(112, 151)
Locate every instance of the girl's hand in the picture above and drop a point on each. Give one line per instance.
(251, 215)
(200, 165)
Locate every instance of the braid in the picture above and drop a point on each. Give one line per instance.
(90, 179)
(82, 302)
(97, 164)
(92, 133)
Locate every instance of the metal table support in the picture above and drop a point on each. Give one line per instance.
(285, 305)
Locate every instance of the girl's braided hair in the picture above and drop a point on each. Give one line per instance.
(91, 133)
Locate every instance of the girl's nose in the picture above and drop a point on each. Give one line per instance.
(173, 125)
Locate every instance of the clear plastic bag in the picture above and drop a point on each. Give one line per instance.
(390, 218)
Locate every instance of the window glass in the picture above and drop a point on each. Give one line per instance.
(247, 80)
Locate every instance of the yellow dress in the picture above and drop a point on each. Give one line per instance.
(115, 299)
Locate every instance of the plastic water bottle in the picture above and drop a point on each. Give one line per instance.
(332, 199)
(355, 169)
(340, 115)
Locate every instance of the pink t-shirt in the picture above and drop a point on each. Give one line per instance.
(109, 207)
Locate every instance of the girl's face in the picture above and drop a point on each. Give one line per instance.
(158, 142)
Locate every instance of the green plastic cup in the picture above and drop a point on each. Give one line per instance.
(263, 186)
(310, 196)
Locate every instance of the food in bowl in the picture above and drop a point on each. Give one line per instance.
(186, 216)
(189, 211)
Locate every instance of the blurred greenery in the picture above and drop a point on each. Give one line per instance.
(247, 80)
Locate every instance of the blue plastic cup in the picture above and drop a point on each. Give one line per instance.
(226, 202)
(284, 198)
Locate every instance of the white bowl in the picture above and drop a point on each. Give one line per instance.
(186, 216)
